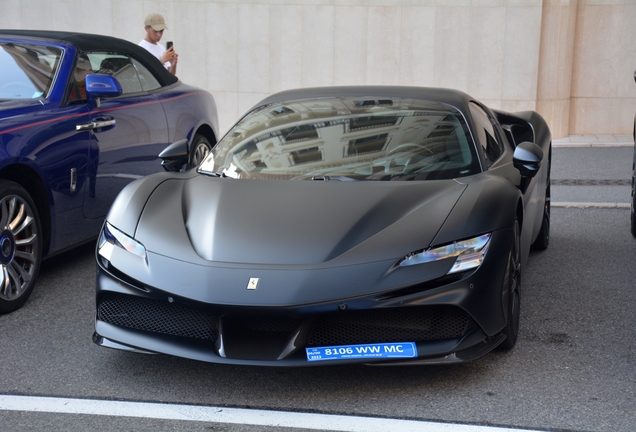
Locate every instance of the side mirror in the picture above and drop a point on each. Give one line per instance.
(102, 86)
(527, 159)
(175, 156)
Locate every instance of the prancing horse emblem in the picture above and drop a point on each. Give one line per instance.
(251, 285)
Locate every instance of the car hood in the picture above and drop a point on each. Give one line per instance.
(294, 222)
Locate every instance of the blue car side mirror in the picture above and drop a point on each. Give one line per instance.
(102, 86)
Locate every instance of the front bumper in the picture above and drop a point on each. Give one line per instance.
(449, 320)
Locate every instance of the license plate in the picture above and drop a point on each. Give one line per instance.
(364, 351)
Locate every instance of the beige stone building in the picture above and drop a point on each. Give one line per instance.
(571, 60)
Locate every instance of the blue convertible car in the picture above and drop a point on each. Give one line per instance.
(81, 116)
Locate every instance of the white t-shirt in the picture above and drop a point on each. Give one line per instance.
(156, 50)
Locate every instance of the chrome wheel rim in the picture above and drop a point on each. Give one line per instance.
(200, 153)
(18, 246)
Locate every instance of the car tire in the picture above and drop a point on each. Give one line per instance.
(633, 210)
(20, 246)
(543, 239)
(511, 286)
(198, 150)
(633, 213)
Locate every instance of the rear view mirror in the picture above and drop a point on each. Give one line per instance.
(527, 159)
(102, 86)
(175, 156)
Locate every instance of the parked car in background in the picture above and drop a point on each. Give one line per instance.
(81, 116)
(330, 226)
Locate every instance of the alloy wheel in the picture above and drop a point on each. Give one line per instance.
(19, 247)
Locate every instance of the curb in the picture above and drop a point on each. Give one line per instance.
(594, 140)
(574, 145)
(597, 205)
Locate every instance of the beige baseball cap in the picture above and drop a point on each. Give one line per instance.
(155, 21)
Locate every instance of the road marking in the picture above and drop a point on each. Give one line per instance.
(231, 415)
(600, 205)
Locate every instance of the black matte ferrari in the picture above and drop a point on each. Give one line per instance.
(329, 226)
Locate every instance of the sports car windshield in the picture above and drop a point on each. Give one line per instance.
(27, 70)
(347, 139)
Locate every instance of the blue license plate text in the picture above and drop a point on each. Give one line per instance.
(364, 351)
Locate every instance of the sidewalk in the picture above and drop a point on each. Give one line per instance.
(594, 141)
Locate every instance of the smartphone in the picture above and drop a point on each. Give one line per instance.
(168, 45)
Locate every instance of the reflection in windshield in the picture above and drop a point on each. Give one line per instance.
(347, 139)
(27, 70)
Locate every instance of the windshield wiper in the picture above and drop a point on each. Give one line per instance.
(328, 178)
(215, 174)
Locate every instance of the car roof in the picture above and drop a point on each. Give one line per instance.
(451, 97)
(92, 42)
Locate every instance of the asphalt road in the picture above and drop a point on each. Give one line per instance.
(592, 174)
(573, 369)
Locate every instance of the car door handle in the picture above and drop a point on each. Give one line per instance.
(96, 124)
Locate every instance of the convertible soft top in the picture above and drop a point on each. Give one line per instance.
(91, 42)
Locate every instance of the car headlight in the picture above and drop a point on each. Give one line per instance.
(111, 238)
(468, 254)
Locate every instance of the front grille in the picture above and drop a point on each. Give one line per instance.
(156, 316)
(410, 324)
(273, 325)
(250, 336)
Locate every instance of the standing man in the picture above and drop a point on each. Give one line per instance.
(155, 25)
